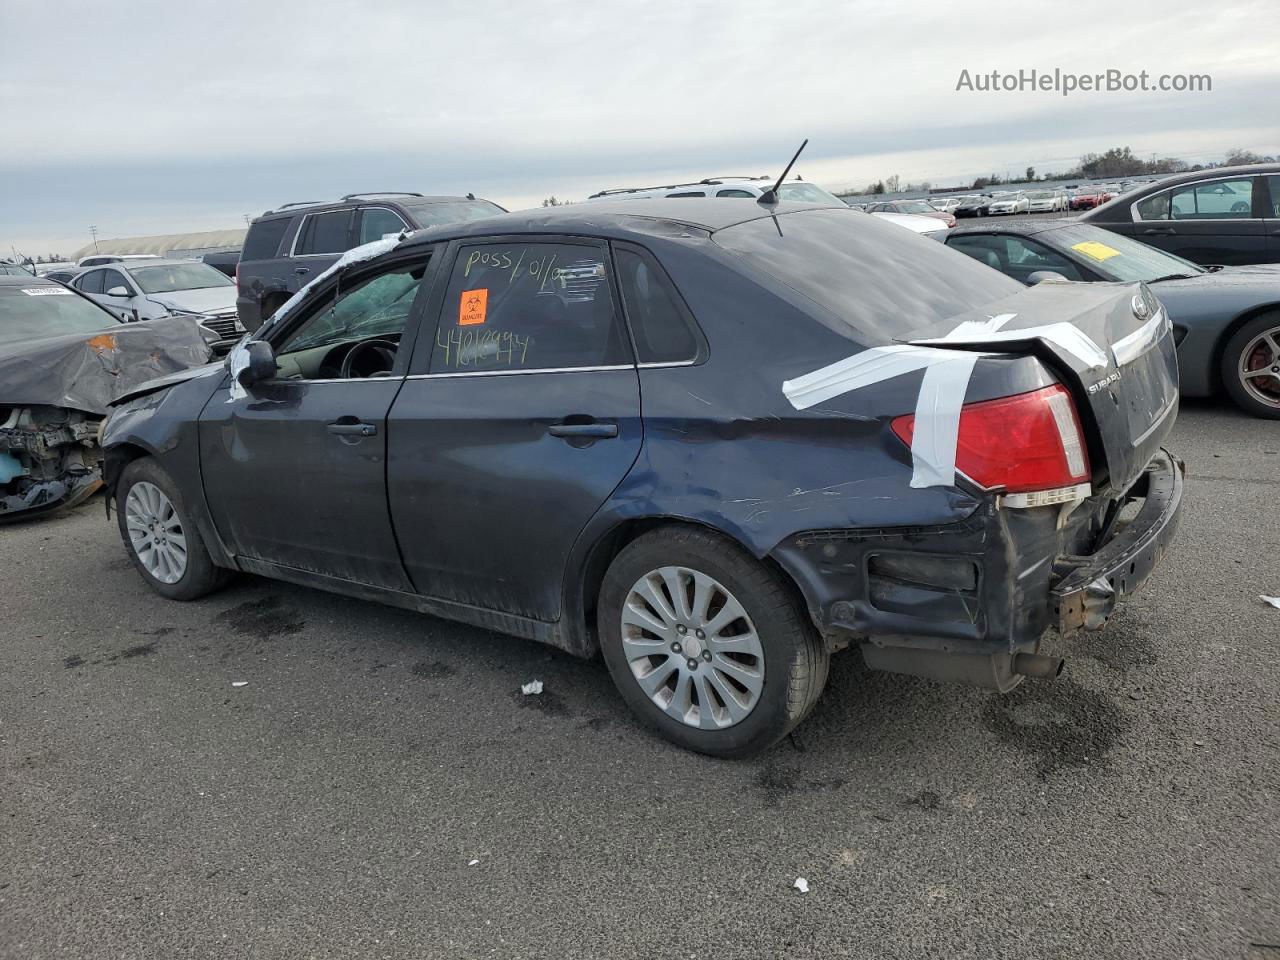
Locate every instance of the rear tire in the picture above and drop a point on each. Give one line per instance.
(1254, 348)
(755, 676)
(160, 535)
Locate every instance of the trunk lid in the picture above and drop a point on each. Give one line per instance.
(1111, 344)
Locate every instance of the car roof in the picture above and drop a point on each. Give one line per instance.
(128, 265)
(363, 200)
(1025, 228)
(7, 280)
(1211, 173)
(619, 218)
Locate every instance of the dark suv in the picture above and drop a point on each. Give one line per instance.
(287, 248)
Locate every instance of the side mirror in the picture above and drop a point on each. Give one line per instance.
(259, 363)
(1040, 276)
(118, 291)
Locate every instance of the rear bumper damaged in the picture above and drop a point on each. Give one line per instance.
(961, 601)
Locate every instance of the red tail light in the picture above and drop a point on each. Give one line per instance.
(1018, 444)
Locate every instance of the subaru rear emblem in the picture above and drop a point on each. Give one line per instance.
(1140, 308)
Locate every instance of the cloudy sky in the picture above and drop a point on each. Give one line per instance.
(155, 117)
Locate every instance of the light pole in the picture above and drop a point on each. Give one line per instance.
(93, 232)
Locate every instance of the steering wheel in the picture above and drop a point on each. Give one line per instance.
(383, 350)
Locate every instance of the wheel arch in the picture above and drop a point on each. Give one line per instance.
(1229, 331)
(583, 585)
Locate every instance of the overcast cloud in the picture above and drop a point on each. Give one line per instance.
(149, 117)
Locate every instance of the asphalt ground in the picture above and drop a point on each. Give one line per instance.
(334, 804)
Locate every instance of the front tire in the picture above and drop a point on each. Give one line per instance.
(708, 646)
(1251, 366)
(160, 535)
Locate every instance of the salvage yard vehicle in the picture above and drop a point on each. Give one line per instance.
(1226, 320)
(1229, 215)
(62, 359)
(1008, 202)
(712, 440)
(918, 208)
(1046, 201)
(148, 288)
(290, 246)
(973, 206)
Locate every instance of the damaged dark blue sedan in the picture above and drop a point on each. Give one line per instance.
(714, 441)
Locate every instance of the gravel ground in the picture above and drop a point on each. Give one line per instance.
(380, 788)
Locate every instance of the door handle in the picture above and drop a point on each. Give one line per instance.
(579, 431)
(301, 271)
(1161, 232)
(347, 428)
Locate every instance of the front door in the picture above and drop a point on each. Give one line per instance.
(520, 417)
(294, 471)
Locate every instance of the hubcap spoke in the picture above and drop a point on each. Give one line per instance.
(672, 621)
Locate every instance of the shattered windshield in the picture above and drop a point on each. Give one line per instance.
(48, 311)
(377, 306)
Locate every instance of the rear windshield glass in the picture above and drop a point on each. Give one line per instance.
(264, 239)
(428, 214)
(179, 276)
(39, 311)
(871, 275)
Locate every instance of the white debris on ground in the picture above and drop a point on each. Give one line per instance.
(1274, 601)
(531, 688)
(801, 884)
(239, 683)
(473, 863)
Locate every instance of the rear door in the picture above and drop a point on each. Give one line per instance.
(520, 416)
(1207, 222)
(321, 239)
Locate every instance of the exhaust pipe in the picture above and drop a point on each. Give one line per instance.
(1037, 665)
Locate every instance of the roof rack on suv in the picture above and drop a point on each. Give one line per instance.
(733, 177)
(296, 203)
(382, 193)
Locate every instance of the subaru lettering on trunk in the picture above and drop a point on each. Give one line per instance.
(712, 441)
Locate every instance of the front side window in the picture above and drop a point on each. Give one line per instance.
(1220, 200)
(91, 282)
(528, 306)
(370, 309)
(377, 222)
(660, 322)
(113, 279)
(324, 233)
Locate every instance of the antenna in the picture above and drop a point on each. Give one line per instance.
(770, 196)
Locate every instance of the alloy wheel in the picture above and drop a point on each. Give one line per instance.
(692, 648)
(1259, 367)
(155, 532)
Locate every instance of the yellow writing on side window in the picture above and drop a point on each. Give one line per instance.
(1095, 250)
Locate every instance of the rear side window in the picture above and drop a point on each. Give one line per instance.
(660, 323)
(1221, 200)
(528, 306)
(264, 238)
(733, 192)
(324, 233)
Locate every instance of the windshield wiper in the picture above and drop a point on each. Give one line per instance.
(1171, 276)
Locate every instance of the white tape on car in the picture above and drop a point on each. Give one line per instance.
(239, 360)
(860, 370)
(1070, 338)
(937, 424)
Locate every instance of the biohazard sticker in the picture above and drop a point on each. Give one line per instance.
(472, 307)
